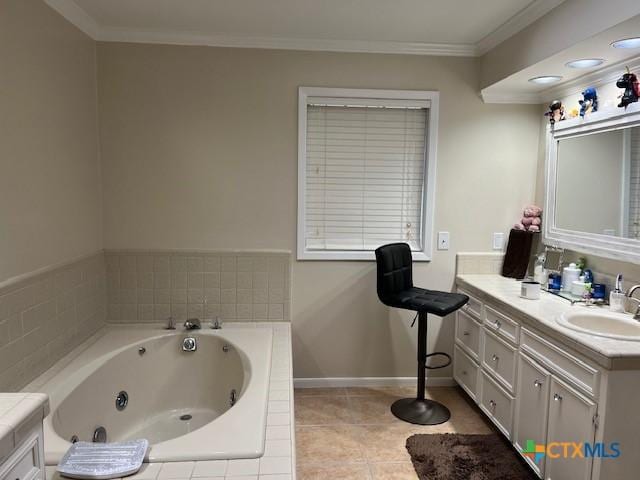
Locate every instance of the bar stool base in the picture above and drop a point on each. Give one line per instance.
(420, 412)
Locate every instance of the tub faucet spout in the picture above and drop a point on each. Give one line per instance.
(192, 324)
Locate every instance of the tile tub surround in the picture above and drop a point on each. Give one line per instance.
(17, 412)
(541, 314)
(278, 461)
(43, 316)
(150, 286)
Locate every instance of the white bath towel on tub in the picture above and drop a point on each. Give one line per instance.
(102, 461)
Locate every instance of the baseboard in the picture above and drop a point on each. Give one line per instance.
(337, 382)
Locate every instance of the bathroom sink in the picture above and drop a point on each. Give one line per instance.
(603, 324)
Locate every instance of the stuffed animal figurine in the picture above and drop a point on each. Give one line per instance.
(628, 81)
(531, 219)
(589, 102)
(556, 112)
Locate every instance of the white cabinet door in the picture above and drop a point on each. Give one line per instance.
(570, 420)
(532, 401)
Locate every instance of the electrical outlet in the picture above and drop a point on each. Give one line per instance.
(498, 240)
(443, 240)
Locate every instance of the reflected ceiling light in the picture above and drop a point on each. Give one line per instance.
(585, 63)
(633, 42)
(543, 80)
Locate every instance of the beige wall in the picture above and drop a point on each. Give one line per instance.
(199, 150)
(49, 166)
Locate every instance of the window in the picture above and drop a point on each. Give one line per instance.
(366, 171)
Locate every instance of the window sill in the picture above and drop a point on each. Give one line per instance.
(338, 255)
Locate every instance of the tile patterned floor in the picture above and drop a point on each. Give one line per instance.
(350, 434)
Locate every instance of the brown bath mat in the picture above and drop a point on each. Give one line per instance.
(452, 456)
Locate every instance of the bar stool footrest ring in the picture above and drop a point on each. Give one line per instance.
(443, 354)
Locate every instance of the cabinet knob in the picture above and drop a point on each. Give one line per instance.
(498, 323)
(465, 333)
(537, 383)
(492, 403)
(557, 397)
(495, 357)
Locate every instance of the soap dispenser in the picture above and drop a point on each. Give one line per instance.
(617, 296)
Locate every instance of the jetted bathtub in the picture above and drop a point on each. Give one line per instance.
(137, 382)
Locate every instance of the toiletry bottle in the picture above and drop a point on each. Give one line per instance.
(539, 272)
(617, 297)
(569, 275)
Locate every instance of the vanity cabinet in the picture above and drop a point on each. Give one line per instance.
(571, 419)
(27, 461)
(532, 407)
(21, 437)
(531, 388)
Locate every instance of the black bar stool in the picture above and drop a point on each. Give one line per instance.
(395, 289)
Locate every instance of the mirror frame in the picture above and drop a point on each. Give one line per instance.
(618, 248)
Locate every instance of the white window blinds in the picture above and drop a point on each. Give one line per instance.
(365, 170)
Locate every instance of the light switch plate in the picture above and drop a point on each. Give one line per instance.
(443, 240)
(498, 240)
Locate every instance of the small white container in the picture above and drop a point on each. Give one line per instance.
(530, 290)
(577, 288)
(570, 274)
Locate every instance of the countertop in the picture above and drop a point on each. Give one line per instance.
(612, 354)
(18, 410)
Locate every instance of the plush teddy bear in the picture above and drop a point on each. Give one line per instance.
(531, 219)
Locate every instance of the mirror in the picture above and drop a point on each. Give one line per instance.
(598, 183)
(592, 184)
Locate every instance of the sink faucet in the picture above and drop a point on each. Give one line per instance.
(635, 310)
(192, 324)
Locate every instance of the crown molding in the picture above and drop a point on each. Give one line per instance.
(520, 21)
(76, 15)
(489, 96)
(70, 10)
(604, 76)
(282, 43)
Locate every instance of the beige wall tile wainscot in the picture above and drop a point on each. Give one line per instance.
(244, 286)
(46, 315)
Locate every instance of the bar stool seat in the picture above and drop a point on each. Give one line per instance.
(430, 301)
(395, 289)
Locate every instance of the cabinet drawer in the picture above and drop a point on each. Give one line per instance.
(473, 306)
(25, 463)
(465, 372)
(558, 360)
(468, 334)
(497, 404)
(501, 324)
(500, 359)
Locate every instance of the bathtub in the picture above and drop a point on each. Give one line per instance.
(137, 382)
